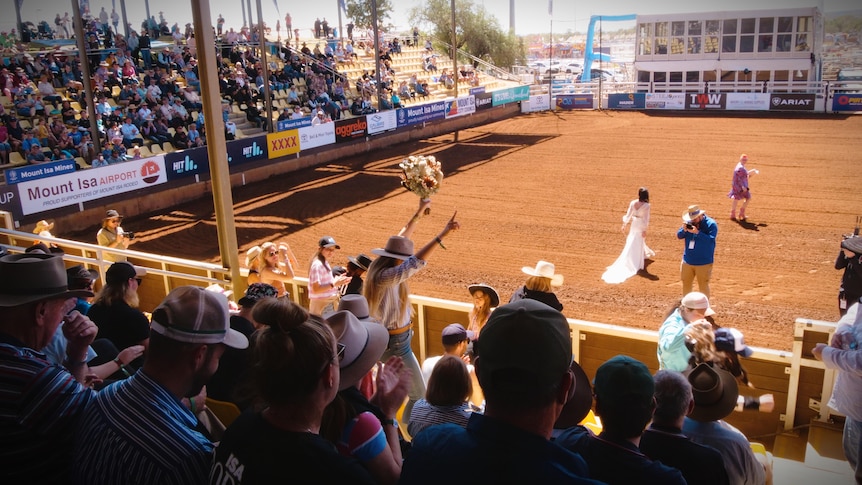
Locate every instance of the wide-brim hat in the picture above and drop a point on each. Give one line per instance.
(252, 254)
(398, 247)
(544, 269)
(580, 402)
(364, 343)
(31, 277)
(488, 290)
(78, 272)
(361, 260)
(715, 393)
(693, 212)
(112, 214)
(853, 244)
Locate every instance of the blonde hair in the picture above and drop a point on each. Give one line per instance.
(264, 252)
(374, 291)
(700, 338)
(538, 283)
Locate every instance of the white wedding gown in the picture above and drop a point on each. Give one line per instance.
(631, 260)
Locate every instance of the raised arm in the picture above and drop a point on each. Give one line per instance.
(407, 230)
(426, 250)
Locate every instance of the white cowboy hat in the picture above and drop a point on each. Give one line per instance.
(545, 270)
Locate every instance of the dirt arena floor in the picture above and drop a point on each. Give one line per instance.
(554, 186)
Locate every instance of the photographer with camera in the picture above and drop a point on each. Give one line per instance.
(699, 233)
(850, 260)
(111, 235)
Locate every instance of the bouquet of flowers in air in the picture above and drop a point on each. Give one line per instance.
(421, 175)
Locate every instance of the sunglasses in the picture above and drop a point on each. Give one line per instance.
(139, 280)
(272, 253)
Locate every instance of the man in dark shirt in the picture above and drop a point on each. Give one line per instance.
(624, 392)
(664, 440)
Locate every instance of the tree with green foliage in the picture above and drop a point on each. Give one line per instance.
(476, 31)
(844, 23)
(360, 12)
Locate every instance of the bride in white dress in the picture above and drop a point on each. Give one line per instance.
(631, 260)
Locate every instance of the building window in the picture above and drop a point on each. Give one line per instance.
(643, 76)
(765, 40)
(784, 42)
(780, 76)
(710, 44)
(692, 76)
(661, 34)
(694, 37)
(728, 41)
(659, 77)
(645, 34)
(676, 77)
(803, 30)
(746, 37)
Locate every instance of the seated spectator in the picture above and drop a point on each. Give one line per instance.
(5, 146)
(362, 428)
(663, 439)
(43, 402)
(320, 118)
(115, 309)
(624, 391)
(195, 137)
(35, 155)
(396, 100)
(446, 398)
(181, 139)
(131, 133)
(539, 285)
(523, 368)
(289, 353)
(101, 161)
(455, 339)
(254, 115)
(190, 330)
(715, 396)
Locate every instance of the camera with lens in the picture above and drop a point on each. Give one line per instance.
(129, 235)
(689, 225)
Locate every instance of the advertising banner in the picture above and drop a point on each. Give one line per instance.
(575, 101)
(626, 100)
(706, 101)
(246, 150)
(282, 143)
(86, 185)
(477, 90)
(665, 101)
(847, 102)
(538, 102)
(483, 101)
(9, 200)
(350, 130)
(460, 107)
(510, 95)
(187, 163)
(791, 102)
(285, 125)
(747, 101)
(316, 136)
(382, 121)
(422, 113)
(39, 171)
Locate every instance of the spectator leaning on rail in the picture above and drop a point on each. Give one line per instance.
(138, 430)
(844, 354)
(41, 402)
(850, 260)
(699, 232)
(523, 364)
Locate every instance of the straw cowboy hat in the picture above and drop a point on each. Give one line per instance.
(692, 213)
(43, 225)
(544, 269)
(398, 247)
(36, 276)
(251, 254)
(364, 343)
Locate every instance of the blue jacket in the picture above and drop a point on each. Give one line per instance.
(700, 247)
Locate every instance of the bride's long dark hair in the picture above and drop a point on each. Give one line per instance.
(643, 194)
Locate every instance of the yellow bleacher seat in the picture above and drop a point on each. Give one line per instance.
(225, 411)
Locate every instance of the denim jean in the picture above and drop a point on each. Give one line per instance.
(399, 345)
(852, 442)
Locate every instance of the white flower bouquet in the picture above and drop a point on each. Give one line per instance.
(421, 175)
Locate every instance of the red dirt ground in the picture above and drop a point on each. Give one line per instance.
(554, 186)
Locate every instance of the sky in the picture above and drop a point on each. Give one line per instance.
(529, 18)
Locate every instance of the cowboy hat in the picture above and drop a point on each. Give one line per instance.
(693, 212)
(364, 343)
(715, 393)
(398, 247)
(580, 401)
(36, 276)
(488, 290)
(853, 244)
(544, 269)
(78, 272)
(361, 261)
(251, 254)
(43, 225)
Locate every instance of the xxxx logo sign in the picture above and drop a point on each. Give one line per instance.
(283, 143)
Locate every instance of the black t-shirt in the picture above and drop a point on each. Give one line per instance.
(253, 451)
(232, 367)
(123, 325)
(699, 464)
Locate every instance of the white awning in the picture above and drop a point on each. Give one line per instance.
(724, 65)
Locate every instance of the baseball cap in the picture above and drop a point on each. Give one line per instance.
(122, 271)
(731, 340)
(328, 242)
(697, 301)
(256, 292)
(623, 378)
(455, 333)
(524, 349)
(194, 315)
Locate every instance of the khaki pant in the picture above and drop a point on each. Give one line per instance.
(687, 273)
(319, 306)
